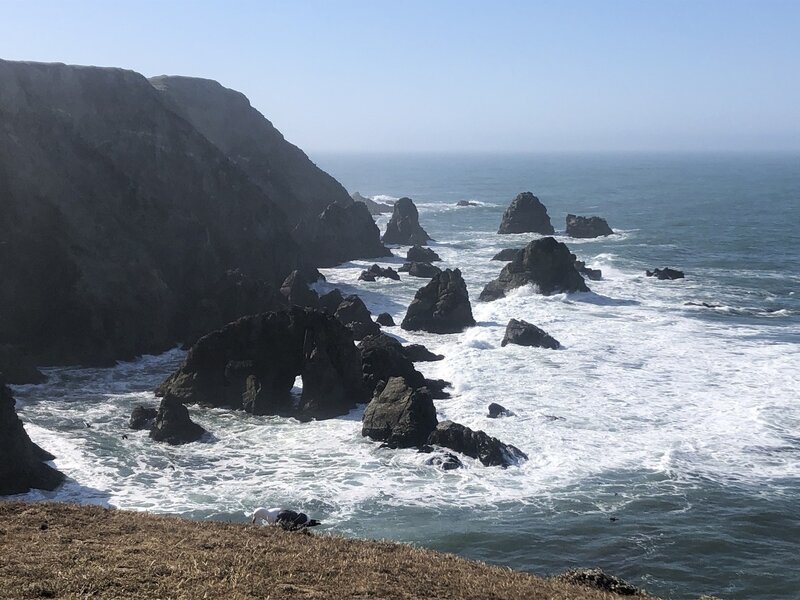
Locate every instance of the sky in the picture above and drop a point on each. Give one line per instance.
(459, 76)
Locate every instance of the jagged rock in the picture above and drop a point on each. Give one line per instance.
(421, 254)
(375, 208)
(597, 579)
(385, 319)
(355, 315)
(173, 424)
(252, 364)
(17, 368)
(526, 215)
(22, 465)
(476, 444)
(589, 273)
(378, 271)
(436, 388)
(400, 415)
(546, 263)
(330, 302)
(383, 357)
(523, 333)
(498, 410)
(296, 291)
(587, 227)
(142, 417)
(417, 269)
(665, 273)
(442, 306)
(404, 227)
(419, 353)
(466, 203)
(447, 461)
(507, 254)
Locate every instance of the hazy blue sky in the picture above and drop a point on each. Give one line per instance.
(459, 75)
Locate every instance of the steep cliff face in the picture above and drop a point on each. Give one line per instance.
(117, 217)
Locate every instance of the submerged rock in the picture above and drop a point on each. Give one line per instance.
(546, 263)
(507, 254)
(142, 417)
(355, 315)
(400, 415)
(404, 227)
(442, 306)
(523, 333)
(587, 227)
(385, 319)
(526, 215)
(665, 273)
(498, 410)
(378, 271)
(420, 254)
(446, 461)
(476, 444)
(173, 424)
(599, 580)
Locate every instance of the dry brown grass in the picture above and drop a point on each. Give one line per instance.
(53, 550)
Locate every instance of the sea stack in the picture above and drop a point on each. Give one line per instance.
(442, 306)
(526, 215)
(404, 227)
(587, 227)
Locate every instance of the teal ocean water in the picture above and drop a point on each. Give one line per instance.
(664, 438)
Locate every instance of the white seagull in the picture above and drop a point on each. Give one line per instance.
(288, 519)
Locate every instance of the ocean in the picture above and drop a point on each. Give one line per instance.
(664, 437)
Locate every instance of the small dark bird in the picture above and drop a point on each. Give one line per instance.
(124, 436)
(612, 519)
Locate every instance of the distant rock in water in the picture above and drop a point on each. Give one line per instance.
(466, 203)
(421, 254)
(526, 215)
(173, 424)
(252, 364)
(546, 263)
(419, 353)
(523, 333)
(587, 227)
(22, 465)
(375, 208)
(476, 444)
(420, 269)
(498, 410)
(599, 580)
(446, 461)
(17, 368)
(665, 273)
(378, 271)
(589, 273)
(404, 227)
(400, 415)
(354, 314)
(385, 319)
(142, 417)
(507, 254)
(442, 306)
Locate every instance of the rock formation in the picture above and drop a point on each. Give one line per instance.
(421, 254)
(385, 320)
(507, 254)
(589, 273)
(252, 364)
(378, 271)
(476, 444)
(375, 208)
(296, 291)
(419, 269)
(404, 227)
(442, 306)
(354, 314)
(546, 263)
(466, 203)
(400, 415)
(587, 227)
(22, 465)
(330, 302)
(526, 215)
(665, 273)
(142, 417)
(523, 333)
(17, 368)
(383, 357)
(498, 410)
(173, 424)
(419, 353)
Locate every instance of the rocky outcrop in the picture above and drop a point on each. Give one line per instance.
(476, 444)
(599, 580)
(375, 208)
(400, 415)
(446, 461)
(142, 417)
(22, 465)
(354, 314)
(404, 227)
(385, 320)
(421, 254)
(507, 254)
(442, 306)
(419, 353)
(545, 263)
(173, 424)
(589, 273)
(587, 227)
(17, 368)
(383, 357)
(418, 269)
(523, 333)
(526, 215)
(466, 203)
(252, 364)
(296, 291)
(376, 271)
(498, 410)
(330, 302)
(665, 273)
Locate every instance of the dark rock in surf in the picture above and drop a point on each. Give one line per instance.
(375, 208)
(418, 269)
(599, 580)
(507, 254)
(173, 424)
(400, 415)
(404, 227)
(476, 444)
(22, 465)
(355, 315)
(383, 357)
(436, 388)
(545, 263)
(385, 319)
(498, 410)
(378, 271)
(466, 203)
(420, 254)
(442, 306)
(587, 227)
(589, 273)
(526, 215)
(523, 333)
(142, 417)
(665, 273)
(17, 368)
(447, 461)
(419, 353)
